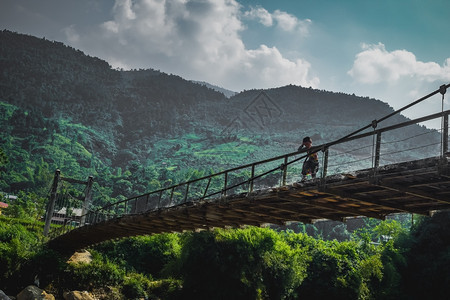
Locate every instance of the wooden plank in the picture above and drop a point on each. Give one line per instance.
(333, 206)
(295, 212)
(415, 193)
(387, 205)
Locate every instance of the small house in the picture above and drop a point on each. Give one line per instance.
(62, 216)
(3, 205)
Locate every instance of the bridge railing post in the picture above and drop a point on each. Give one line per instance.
(187, 192)
(207, 187)
(285, 166)
(171, 196)
(376, 163)
(146, 202)
(224, 191)
(445, 135)
(159, 199)
(325, 163)
(252, 175)
(117, 210)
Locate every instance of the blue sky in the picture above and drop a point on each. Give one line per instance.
(392, 50)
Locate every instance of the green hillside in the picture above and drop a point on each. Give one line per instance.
(138, 130)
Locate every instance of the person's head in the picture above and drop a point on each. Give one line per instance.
(307, 142)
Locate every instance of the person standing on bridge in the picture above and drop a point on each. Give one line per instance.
(311, 163)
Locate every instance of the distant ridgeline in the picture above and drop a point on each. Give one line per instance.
(138, 130)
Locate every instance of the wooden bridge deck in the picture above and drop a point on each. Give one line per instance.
(420, 187)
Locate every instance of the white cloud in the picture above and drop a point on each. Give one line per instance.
(71, 34)
(194, 39)
(375, 64)
(266, 66)
(397, 77)
(284, 20)
(260, 14)
(124, 7)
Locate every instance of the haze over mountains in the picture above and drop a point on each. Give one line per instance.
(138, 130)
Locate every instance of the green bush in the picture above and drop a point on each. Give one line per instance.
(241, 264)
(16, 245)
(250, 263)
(136, 286)
(427, 274)
(145, 254)
(43, 265)
(394, 262)
(97, 273)
(27, 206)
(166, 289)
(339, 271)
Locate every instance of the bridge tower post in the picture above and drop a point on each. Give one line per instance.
(51, 204)
(87, 200)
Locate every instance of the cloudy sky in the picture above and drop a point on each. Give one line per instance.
(392, 50)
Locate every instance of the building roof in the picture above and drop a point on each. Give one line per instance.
(75, 211)
(3, 205)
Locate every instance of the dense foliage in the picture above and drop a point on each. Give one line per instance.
(248, 263)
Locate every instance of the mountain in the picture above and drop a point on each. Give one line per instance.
(226, 92)
(139, 130)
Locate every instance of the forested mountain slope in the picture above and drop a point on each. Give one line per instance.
(138, 130)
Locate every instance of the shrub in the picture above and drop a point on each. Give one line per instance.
(97, 273)
(241, 264)
(333, 272)
(16, 245)
(135, 286)
(144, 254)
(427, 274)
(166, 289)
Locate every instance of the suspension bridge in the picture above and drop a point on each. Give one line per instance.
(270, 191)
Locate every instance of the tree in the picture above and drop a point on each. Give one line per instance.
(250, 263)
(388, 230)
(26, 206)
(339, 271)
(150, 255)
(3, 158)
(427, 275)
